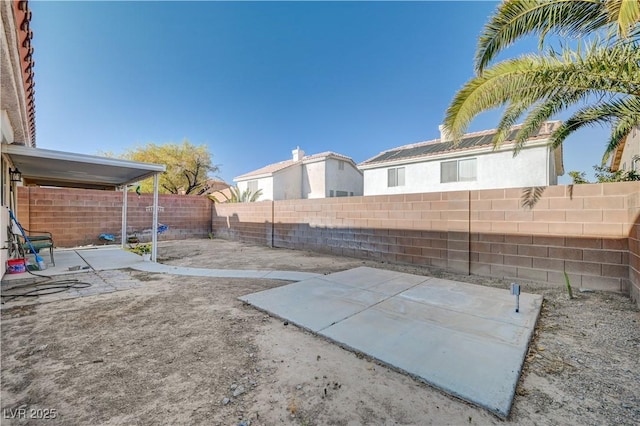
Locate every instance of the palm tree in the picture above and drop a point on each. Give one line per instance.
(542, 85)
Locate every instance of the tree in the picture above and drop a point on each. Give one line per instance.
(188, 166)
(238, 196)
(578, 177)
(605, 174)
(539, 86)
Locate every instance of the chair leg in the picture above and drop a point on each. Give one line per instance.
(53, 262)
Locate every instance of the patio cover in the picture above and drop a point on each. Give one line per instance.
(57, 168)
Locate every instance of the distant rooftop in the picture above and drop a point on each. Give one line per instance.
(276, 167)
(438, 146)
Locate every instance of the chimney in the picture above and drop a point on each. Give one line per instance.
(297, 154)
(549, 126)
(445, 136)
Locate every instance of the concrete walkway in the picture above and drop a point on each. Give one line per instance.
(107, 258)
(97, 270)
(462, 338)
(115, 258)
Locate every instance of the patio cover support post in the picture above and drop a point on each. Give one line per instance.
(124, 216)
(154, 228)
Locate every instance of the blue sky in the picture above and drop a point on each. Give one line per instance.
(253, 80)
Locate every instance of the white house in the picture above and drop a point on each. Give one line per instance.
(313, 176)
(473, 163)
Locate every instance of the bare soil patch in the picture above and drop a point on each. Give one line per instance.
(184, 350)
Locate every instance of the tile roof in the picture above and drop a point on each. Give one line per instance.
(326, 154)
(23, 25)
(276, 167)
(436, 146)
(270, 169)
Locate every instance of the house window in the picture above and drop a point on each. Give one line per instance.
(458, 171)
(340, 165)
(252, 186)
(395, 177)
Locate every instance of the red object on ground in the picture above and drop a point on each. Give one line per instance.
(16, 266)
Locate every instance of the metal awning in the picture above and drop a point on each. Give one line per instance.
(57, 168)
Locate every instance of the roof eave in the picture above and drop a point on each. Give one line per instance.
(58, 168)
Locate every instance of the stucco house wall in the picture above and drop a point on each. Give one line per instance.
(347, 178)
(306, 176)
(420, 167)
(313, 180)
(265, 184)
(628, 158)
(287, 184)
(531, 167)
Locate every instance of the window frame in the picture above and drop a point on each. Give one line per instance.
(252, 186)
(448, 163)
(396, 177)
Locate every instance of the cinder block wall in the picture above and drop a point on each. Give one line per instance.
(585, 230)
(247, 222)
(580, 229)
(427, 229)
(634, 246)
(78, 216)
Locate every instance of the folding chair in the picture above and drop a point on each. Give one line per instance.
(39, 240)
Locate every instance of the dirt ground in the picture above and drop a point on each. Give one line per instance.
(183, 350)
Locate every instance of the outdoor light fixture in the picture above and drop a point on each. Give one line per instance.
(15, 175)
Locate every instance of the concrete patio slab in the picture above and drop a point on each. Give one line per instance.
(69, 286)
(316, 303)
(65, 259)
(464, 339)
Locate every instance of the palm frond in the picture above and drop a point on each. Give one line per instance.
(543, 111)
(628, 117)
(515, 19)
(622, 114)
(625, 13)
(560, 79)
(541, 86)
(510, 117)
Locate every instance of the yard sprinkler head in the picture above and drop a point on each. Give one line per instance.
(515, 290)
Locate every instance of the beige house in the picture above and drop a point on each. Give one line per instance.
(305, 176)
(17, 103)
(626, 156)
